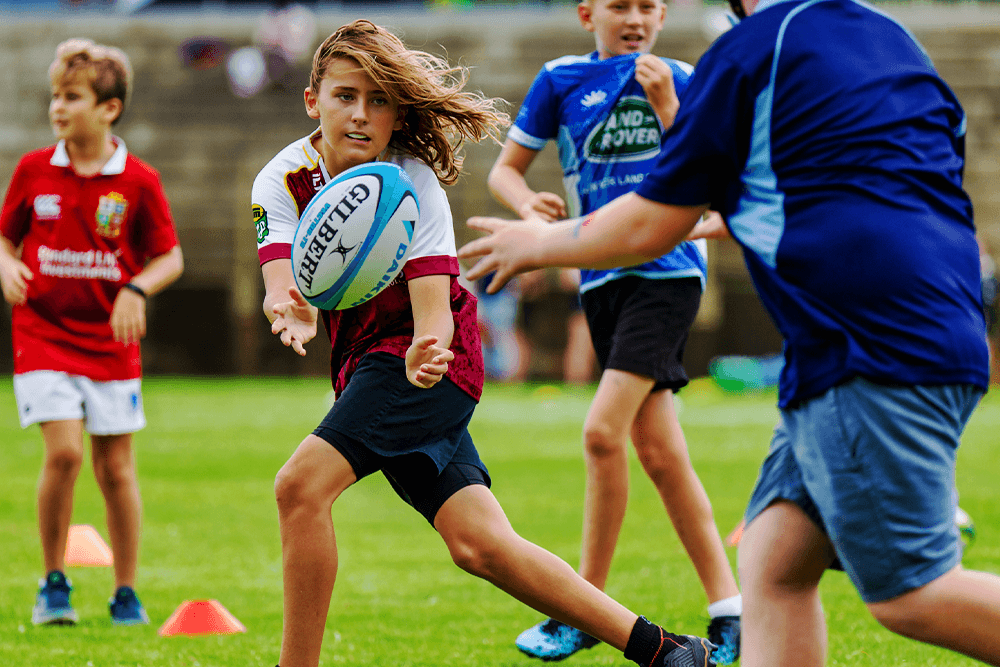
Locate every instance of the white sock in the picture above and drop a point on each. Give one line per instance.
(729, 607)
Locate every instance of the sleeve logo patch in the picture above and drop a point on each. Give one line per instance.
(260, 220)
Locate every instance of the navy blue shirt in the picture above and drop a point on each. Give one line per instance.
(823, 134)
(609, 137)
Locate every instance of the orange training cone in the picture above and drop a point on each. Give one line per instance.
(201, 617)
(734, 537)
(85, 547)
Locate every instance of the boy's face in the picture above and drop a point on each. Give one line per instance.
(357, 117)
(622, 26)
(75, 114)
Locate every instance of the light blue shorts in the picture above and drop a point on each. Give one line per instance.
(874, 467)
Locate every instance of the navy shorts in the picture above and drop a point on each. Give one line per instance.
(418, 438)
(874, 467)
(641, 326)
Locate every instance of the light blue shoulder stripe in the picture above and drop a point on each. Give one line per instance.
(566, 60)
(759, 220)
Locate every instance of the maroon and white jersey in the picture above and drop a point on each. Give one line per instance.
(283, 189)
(83, 238)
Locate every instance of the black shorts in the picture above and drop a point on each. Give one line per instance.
(418, 438)
(641, 326)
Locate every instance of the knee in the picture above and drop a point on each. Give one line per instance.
(65, 461)
(661, 462)
(112, 473)
(602, 441)
(477, 554)
(290, 490)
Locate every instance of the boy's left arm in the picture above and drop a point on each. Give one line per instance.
(128, 315)
(657, 81)
(433, 328)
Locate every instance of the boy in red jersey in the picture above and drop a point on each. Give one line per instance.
(86, 236)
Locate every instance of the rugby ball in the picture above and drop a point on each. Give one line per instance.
(355, 235)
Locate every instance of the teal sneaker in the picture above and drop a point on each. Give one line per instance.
(552, 640)
(52, 605)
(724, 632)
(126, 609)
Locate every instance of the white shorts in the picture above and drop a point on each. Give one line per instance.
(107, 408)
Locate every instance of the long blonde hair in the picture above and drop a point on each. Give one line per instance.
(106, 69)
(440, 115)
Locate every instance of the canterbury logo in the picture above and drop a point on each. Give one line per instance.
(47, 207)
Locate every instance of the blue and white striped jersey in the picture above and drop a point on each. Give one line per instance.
(608, 138)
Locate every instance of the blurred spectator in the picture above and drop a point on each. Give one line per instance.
(542, 290)
(497, 318)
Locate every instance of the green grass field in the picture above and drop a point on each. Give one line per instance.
(207, 463)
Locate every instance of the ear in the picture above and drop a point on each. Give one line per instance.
(112, 109)
(400, 117)
(310, 99)
(584, 11)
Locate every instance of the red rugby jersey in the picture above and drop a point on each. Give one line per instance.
(83, 238)
(281, 192)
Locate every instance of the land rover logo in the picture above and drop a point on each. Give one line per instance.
(630, 133)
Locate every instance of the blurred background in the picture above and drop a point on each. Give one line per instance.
(218, 91)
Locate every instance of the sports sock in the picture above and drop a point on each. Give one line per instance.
(649, 641)
(729, 607)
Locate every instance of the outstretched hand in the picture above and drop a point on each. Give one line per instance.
(295, 321)
(426, 362)
(507, 251)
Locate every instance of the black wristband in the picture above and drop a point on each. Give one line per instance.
(135, 288)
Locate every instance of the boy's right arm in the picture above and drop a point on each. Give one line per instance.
(14, 274)
(507, 183)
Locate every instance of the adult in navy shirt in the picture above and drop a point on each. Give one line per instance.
(834, 151)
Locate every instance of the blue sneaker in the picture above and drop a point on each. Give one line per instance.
(126, 608)
(551, 640)
(724, 632)
(52, 605)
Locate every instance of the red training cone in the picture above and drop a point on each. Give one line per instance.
(201, 617)
(734, 537)
(85, 547)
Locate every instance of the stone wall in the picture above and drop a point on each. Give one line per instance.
(208, 144)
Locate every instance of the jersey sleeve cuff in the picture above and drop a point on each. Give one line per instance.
(274, 251)
(519, 136)
(433, 265)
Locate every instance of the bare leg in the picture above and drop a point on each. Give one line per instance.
(959, 610)
(659, 442)
(605, 439)
(482, 542)
(114, 470)
(783, 555)
(306, 488)
(63, 458)
(579, 357)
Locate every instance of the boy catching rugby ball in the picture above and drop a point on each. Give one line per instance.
(407, 365)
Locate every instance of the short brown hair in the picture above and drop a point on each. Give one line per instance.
(105, 68)
(440, 115)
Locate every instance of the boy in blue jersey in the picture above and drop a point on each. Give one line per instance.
(834, 151)
(607, 112)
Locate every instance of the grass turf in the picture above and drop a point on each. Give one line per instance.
(207, 462)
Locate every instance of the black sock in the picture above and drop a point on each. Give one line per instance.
(649, 641)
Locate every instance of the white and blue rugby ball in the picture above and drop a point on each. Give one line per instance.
(355, 236)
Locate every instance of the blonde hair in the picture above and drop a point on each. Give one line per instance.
(105, 68)
(440, 116)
